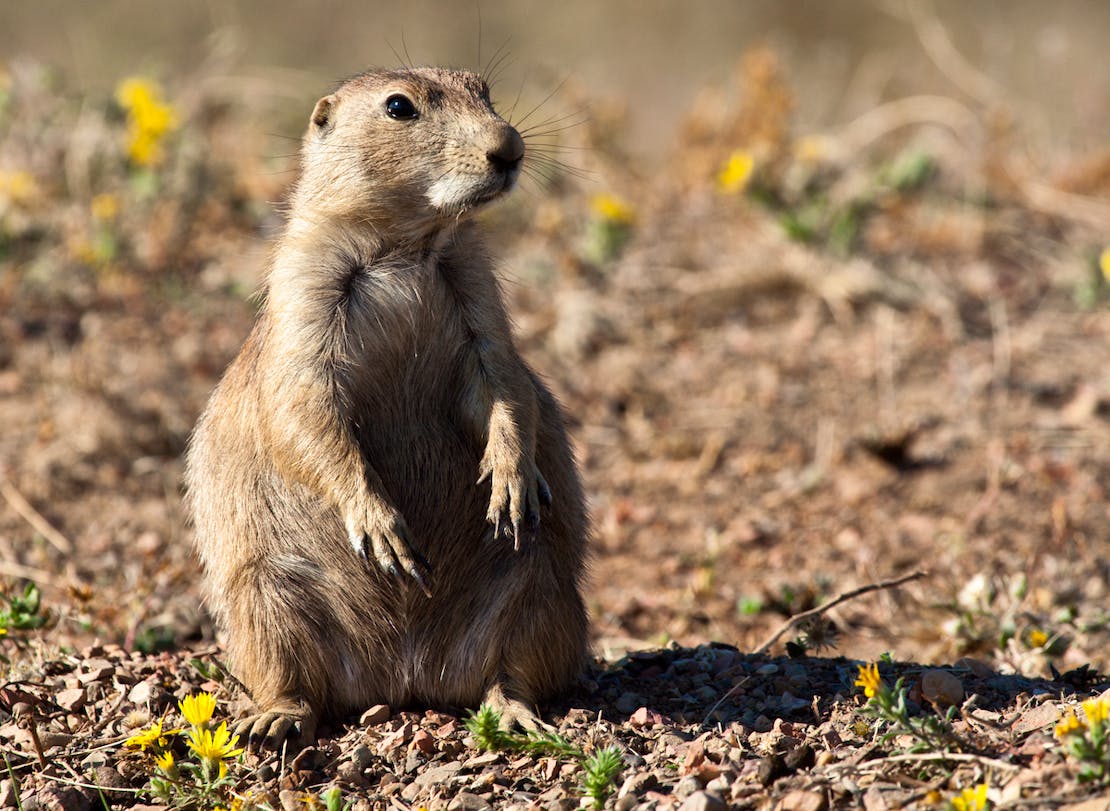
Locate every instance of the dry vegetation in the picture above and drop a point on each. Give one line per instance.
(796, 363)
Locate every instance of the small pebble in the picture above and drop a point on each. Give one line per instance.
(703, 801)
(377, 714)
(941, 688)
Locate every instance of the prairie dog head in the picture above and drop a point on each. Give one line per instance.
(408, 149)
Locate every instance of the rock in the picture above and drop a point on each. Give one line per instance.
(438, 774)
(147, 693)
(703, 801)
(941, 688)
(378, 714)
(464, 801)
(803, 801)
(7, 794)
(638, 784)
(349, 772)
(362, 757)
(1039, 717)
(71, 700)
(979, 669)
(289, 801)
(800, 757)
(687, 786)
(423, 741)
(643, 717)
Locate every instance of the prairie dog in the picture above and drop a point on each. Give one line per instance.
(386, 504)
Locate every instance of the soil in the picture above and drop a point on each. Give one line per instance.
(836, 376)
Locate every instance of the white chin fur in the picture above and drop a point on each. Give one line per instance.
(454, 191)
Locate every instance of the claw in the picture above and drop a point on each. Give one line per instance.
(516, 536)
(544, 491)
(414, 573)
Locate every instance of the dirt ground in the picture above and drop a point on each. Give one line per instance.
(793, 366)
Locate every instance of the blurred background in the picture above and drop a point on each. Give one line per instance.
(651, 57)
(824, 287)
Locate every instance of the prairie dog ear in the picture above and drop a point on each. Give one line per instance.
(322, 113)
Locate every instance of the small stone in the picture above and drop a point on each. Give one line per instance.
(703, 801)
(99, 674)
(362, 757)
(638, 784)
(71, 700)
(378, 714)
(687, 786)
(289, 801)
(7, 794)
(803, 801)
(644, 717)
(979, 669)
(349, 772)
(719, 785)
(800, 757)
(438, 774)
(465, 801)
(1039, 717)
(147, 693)
(109, 778)
(423, 741)
(941, 688)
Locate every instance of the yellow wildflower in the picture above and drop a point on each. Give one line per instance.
(737, 171)
(149, 120)
(1067, 725)
(1037, 638)
(613, 209)
(164, 761)
(198, 709)
(18, 187)
(214, 746)
(869, 679)
(148, 737)
(971, 799)
(1097, 710)
(1104, 263)
(104, 207)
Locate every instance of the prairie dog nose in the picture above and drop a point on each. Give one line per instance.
(507, 150)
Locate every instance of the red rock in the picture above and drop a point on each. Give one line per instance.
(71, 700)
(423, 740)
(378, 714)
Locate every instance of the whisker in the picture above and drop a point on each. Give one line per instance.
(546, 99)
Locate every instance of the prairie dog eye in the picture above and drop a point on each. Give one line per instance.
(400, 107)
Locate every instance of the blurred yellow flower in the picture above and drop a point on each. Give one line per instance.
(971, 799)
(149, 120)
(104, 207)
(869, 679)
(1037, 638)
(612, 209)
(1068, 725)
(1104, 263)
(737, 172)
(198, 709)
(18, 187)
(1097, 710)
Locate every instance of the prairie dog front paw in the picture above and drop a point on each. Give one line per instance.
(381, 532)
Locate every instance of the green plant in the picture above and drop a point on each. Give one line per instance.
(198, 777)
(932, 734)
(1087, 739)
(599, 770)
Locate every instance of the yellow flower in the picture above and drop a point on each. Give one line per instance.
(971, 799)
(869, 679)
(1067, 725)
(19, 187)
(737, 171)
(165, 761)
(613, 209)
(1104, 263)
(198, 709)
(104, 207)
(1037, 638)
(149, 120)
(214, 746)
(1097, 710)
(141, 740)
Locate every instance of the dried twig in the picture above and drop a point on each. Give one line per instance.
(33, 516)
(795, 620)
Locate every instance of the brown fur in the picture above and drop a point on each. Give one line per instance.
(342, 448)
